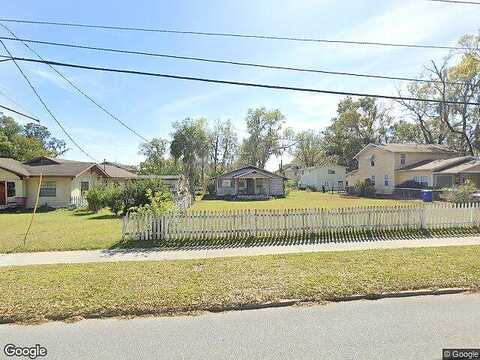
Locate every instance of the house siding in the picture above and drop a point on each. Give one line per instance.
(384, 165)
(319, 176)
(8, 176)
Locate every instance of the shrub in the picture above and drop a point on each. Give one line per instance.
(211, 189)
(113, 198)
(462, 193)
(365, 188)
(412, 184)
(95, 198)
(290, 185)
(160, 202)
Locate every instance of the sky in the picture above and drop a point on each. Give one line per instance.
(151, 105)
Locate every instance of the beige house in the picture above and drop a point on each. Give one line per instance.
(64, 182)
(390, 165)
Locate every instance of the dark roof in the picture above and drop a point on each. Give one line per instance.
(246, 169)
(130, 168)
(462, 168)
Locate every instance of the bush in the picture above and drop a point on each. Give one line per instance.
(462, 193)
(290, 185)
(412, 184)
(160, 202)
(365, 188)
(95, 198)
(135, 193)
(211, 189)
(113, 198)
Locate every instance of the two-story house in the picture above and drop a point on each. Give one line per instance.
(392, 164)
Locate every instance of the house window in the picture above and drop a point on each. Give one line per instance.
(331, 172)
(387, 183)
(403, 159)
(242, 184)
(421, 180)
(259, 186)
(372, 160)
(84, 187)
(373, 179)
(48, 189)
(10, 189)
(226, 183)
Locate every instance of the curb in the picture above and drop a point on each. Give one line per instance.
(291, 302)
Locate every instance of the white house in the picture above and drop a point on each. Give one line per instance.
(326, 175)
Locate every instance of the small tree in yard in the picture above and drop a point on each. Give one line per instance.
(95, 198)
(462, 193)
(160, 202)
(365, 188)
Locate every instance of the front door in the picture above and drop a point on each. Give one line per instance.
(250, 187)
(3, 198)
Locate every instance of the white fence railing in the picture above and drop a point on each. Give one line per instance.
(78, 201)
(238, 224)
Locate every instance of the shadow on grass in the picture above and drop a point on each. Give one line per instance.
(308, 239)
(42, 209)
(94, 216)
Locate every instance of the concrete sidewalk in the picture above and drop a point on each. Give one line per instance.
(159, 254)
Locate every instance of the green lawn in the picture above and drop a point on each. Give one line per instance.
(298, 199)
(59, 230)
(58, 292)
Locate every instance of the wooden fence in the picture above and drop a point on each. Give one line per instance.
(240, 224)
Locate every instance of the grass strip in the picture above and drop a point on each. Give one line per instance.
(62, 292)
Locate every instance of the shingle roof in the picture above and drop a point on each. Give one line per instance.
(416, 148)
(436, 165)
(13, 166)
(68, 168)
(246, 169)
(117, 172)
(462, 168)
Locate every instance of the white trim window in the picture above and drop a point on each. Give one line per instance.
(84, 187)
(373, 179)
(226, 183)
(386, 180)
(421, 179)
(403, 159)
(48, 189)
(371, 159)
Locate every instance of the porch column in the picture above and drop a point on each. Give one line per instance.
(255, 186)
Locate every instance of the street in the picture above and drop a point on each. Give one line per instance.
(407, 328)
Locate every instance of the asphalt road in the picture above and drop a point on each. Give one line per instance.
(408, 328)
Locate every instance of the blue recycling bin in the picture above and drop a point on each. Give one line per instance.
(427, 195)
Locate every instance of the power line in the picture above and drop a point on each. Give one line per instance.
(20, 113)
(240, 83)
(457, 2)
(228, 62)
(44, 104)
(13, 101)
(234, 35)
(106, 111)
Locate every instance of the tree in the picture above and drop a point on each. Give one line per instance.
(190, 145)
(26, 142)
(223, 146)
(264, 136)
(156, 161)
(55, 146)
(406, 132)
(357, 124)
(308, 150)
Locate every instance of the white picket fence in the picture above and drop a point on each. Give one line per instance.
(241, 224)
(78, 201)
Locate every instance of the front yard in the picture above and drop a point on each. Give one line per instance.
(59, 230)
(297, 200)
(61, 292)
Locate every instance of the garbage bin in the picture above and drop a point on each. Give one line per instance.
(427, 195)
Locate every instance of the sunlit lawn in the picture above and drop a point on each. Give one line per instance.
(59, 230)
(299, 199)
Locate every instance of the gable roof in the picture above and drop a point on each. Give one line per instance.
(461, 168)
(246, 170)
(129, 168)
(409, 148)
(13, 166)
(114, 171)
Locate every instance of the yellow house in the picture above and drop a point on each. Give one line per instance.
(63, 181)
(390, 165)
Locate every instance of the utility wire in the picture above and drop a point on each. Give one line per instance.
(241, 83)
(234, 35)
(44, 104)
(20, 113)
(9, 98)
(106, 111)
(228, 62)
(457, 2)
